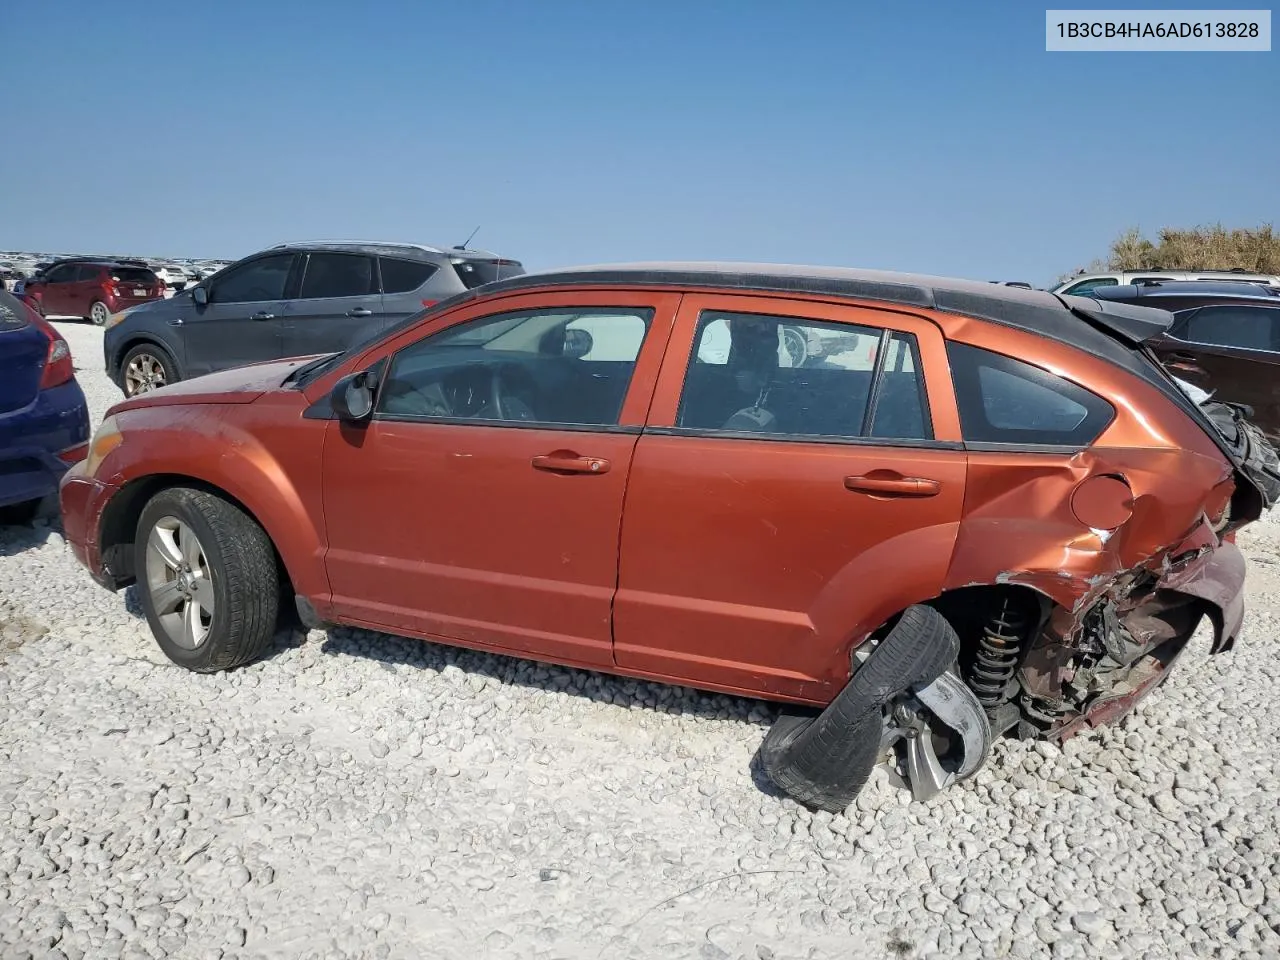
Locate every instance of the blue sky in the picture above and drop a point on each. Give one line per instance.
(912, 136)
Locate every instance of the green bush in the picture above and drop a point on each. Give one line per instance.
(1201, 248)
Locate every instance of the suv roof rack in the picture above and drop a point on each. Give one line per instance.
(357, 243)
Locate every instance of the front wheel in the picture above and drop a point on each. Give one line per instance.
(208, 580)
(145, 368)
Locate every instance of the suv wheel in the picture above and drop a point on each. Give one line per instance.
(208, 580)
(99, 313)
(145, 368)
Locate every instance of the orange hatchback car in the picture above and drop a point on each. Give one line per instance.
(921, 513)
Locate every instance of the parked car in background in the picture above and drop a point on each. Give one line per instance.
(1225, 339)
(174, 277)
(44, 421)
(294, 299)
(1082, 284)
(92, 289)
(1011, 519)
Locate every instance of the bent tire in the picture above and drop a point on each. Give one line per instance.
(146, 367)
(207, 579)
(824, 761)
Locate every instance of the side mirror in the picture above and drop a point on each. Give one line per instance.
(200, 295)
(352, 396)
(577, 343)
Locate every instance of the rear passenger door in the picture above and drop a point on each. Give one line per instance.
(338, 304)
(783, 501)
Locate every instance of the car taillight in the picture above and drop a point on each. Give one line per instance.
(58, 368)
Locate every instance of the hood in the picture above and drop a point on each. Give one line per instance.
(238, 385)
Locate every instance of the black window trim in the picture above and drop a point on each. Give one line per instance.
(551, 425)
(820, 439)
(294, 291)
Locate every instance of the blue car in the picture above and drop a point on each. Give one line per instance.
(44, 421)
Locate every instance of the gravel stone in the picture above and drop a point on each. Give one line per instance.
(356, 794)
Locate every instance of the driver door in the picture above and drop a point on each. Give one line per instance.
(243, 320)
(482, 504)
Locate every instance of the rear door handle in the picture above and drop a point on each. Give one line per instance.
(263, 316)
(360, 312)
(896, 487)
(1179, 356)
(562, 463)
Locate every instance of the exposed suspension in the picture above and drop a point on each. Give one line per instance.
(996, 659)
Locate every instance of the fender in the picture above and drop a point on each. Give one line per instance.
(239, 449)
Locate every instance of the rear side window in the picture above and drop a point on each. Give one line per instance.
(87, 271)
(1250, 328)
(473, 273)
(401, 276)
(1003, 400)
(337, 275)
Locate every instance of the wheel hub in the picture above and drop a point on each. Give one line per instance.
(936, 735)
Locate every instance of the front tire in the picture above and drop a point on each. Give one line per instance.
(207, 578)
(99, 313)
(146, 367)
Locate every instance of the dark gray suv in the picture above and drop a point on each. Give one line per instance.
(292, 300)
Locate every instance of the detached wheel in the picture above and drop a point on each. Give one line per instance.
(99, 313)
(207, 576)
(824, 759)
(146, 367)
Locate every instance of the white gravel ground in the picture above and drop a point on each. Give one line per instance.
(366, 796)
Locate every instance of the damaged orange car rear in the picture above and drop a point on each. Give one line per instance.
(921, 513)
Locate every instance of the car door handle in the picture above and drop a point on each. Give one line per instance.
(175, 322)
(1179, 356)
(263, 316)
(360, 312)
(893, 487)
(565, 463)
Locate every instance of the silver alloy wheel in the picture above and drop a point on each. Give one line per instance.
(143, 374)
(99, 313)
(179, 581)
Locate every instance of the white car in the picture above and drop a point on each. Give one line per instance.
(174, 278)
(1081, 284)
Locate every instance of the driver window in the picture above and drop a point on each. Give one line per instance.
(559, 365)
(255, 282)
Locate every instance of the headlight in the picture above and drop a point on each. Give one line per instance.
(105, 439)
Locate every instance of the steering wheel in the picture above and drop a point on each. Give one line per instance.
(506, 406)
(495, 394)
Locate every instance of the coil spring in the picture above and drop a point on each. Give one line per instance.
(997, 656)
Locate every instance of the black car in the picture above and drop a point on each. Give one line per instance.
(1225, 338)
(294, 299)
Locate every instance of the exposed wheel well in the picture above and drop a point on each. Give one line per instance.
(120, 522)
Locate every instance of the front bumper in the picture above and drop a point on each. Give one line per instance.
(83, 500)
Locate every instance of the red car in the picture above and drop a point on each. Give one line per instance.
(977, 510)
(92, 289)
